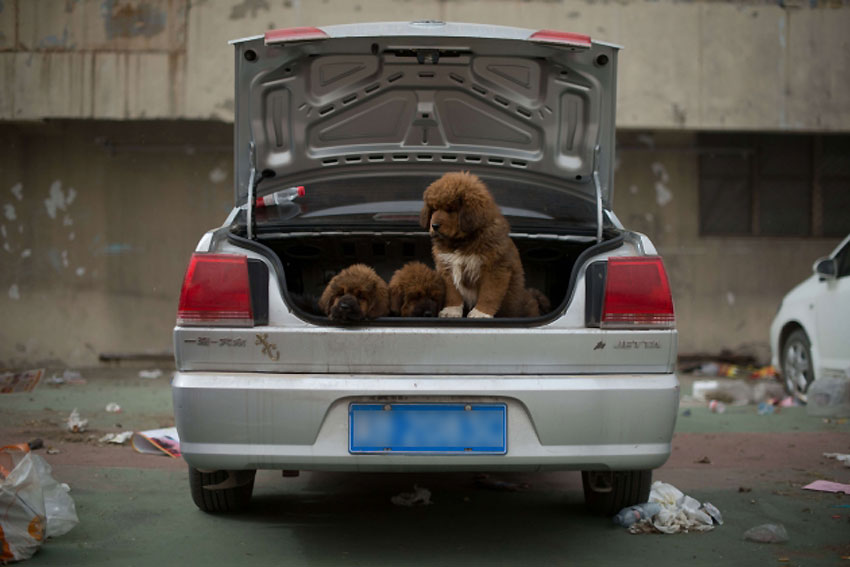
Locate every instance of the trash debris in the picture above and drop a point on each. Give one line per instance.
(112, 407)
(703, 461)
(157, 442)
(744, 489)
(150, 374)
(53, 451)
(484, 481)
(731, 392)
(419, 497)
(840, 457)
(827, 486)
(35, 444)
(75, 423)
(117, 438)
(716, 407)
(787, 402)
(678, 512)
(18, 382)
(34, 505)
(632, 514)
(701, 387)
(686, 413)
(765, 408)
(829, 397)
(767, 533)
(715, 514)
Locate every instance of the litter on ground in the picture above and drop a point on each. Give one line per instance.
(767, 533)
(75, 423)
(419, 497)
(17, 382)
(150, 374)
(840, 457)
(676, 512)
(158, 442)
(827, 486)
(117, 438)
(35, 506)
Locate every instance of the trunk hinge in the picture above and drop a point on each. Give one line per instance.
(252, 186)
(254, 180)
(598, 193)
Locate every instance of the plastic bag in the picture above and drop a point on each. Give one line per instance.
(767, 533)
(34, 505)
(679, 512)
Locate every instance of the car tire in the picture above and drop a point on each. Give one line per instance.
(627, 488)
(797, 367)
(221, 491)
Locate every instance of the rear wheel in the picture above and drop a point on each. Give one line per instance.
(608, 492)
(797, 368)
(221, 492)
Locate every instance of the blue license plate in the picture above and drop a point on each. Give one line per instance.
(428, 428)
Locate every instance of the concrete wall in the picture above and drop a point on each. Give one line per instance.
(99, 219)
(101, 210)
(726, 290)
(687, 65)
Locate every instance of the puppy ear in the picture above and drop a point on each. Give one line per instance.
(425, 216)
(381, 303)
(473, 214)
(396, 299)
(327, 298)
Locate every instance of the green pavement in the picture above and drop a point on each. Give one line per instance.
(136, 510)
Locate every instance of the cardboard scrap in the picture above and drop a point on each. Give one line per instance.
(827, 486)
(158, 442)
(17, 382)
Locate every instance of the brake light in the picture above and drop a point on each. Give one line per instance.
(288, 35)
(561, 38)
(216, 292)
(637, 294)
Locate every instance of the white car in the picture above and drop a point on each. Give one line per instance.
(810, 335)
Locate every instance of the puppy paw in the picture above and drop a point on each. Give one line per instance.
(476, 314)
(452, 311)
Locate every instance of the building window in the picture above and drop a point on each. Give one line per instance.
(774, 184)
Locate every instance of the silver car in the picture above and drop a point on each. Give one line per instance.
(361, 118)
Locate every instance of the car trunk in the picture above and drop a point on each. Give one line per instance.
(311, 260)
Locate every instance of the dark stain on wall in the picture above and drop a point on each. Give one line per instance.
(241, 10)
(132, 19)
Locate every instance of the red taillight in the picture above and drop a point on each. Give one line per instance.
(637, 294)
(216, 292)
(561, 38)
(288, 35)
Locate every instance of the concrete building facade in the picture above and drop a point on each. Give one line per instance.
(116, 152)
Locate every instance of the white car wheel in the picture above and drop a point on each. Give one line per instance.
(797, 368)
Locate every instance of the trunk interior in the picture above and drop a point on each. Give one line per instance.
(310, 261)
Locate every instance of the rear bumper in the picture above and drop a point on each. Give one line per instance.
(300, 421)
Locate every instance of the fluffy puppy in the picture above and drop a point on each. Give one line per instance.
(473, 251)
(355, 294)
(416, 291)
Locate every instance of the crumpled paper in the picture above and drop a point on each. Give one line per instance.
(679, 512)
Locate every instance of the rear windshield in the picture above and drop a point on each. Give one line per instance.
(394, 200)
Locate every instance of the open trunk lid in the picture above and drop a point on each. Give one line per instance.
(361, 99)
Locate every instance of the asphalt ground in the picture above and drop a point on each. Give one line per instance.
(136, 509)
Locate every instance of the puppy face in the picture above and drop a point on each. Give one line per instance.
(456, 206)
(355, 294)
(417, 291)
